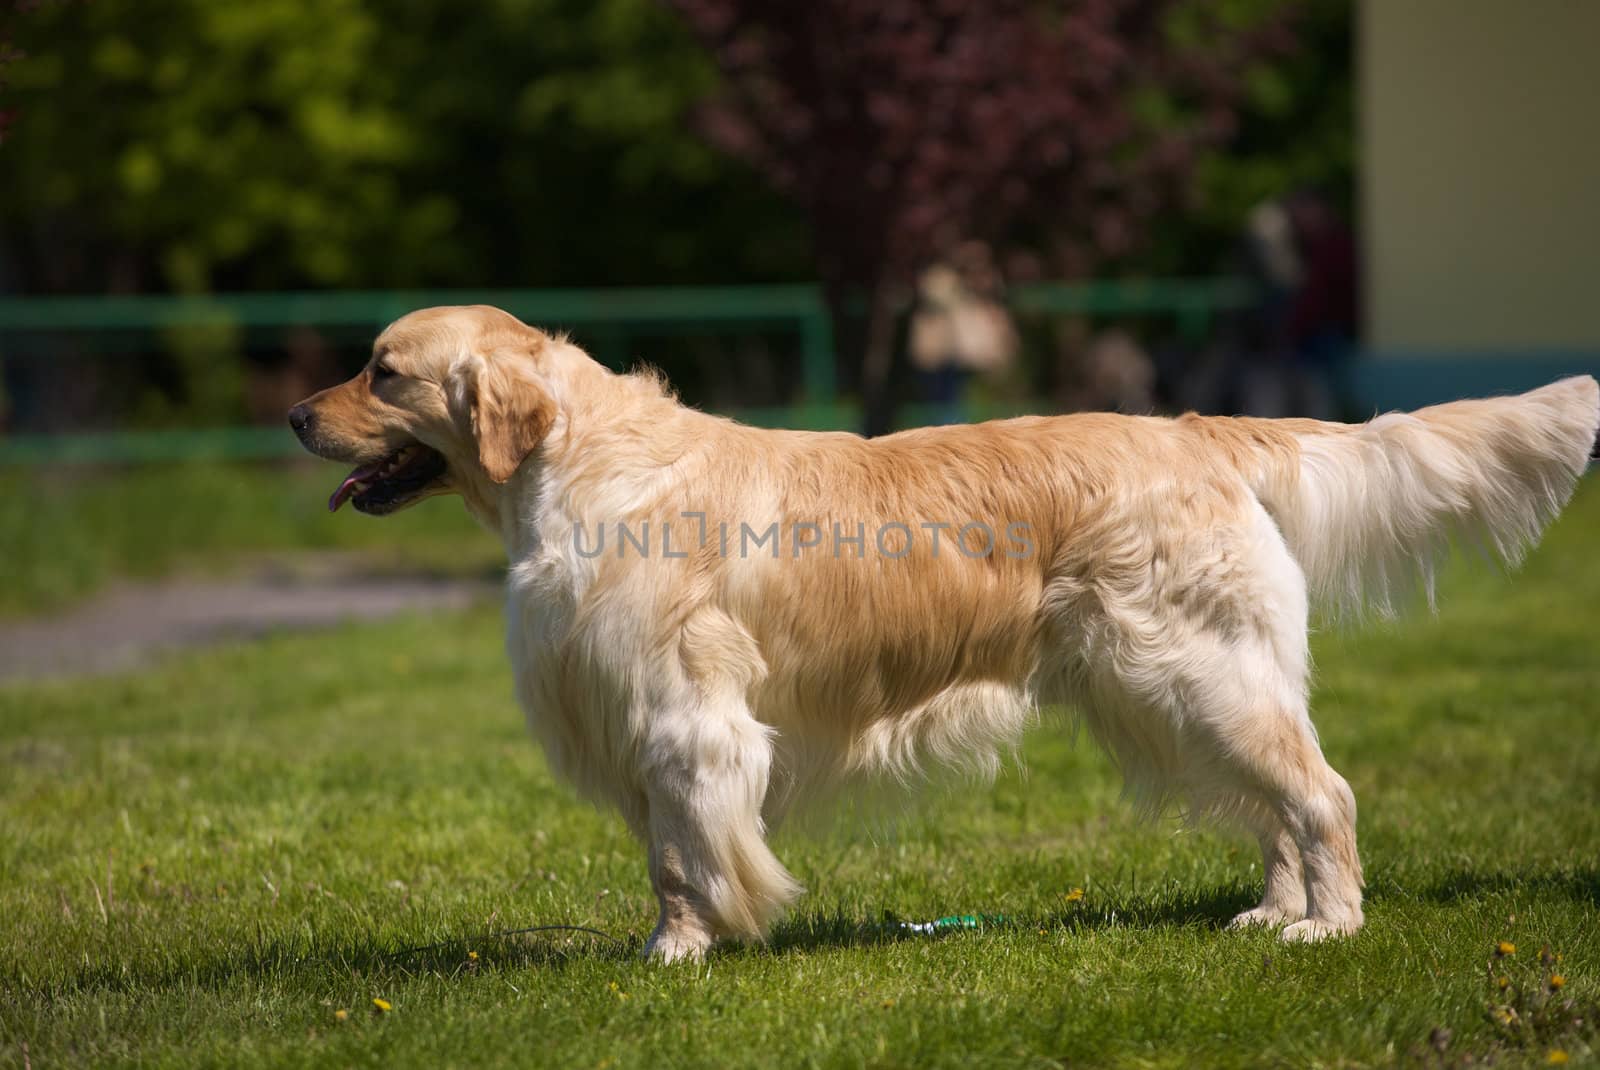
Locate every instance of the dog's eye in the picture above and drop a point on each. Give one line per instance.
(381, 372)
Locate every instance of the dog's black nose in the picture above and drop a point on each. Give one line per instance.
(300, 419)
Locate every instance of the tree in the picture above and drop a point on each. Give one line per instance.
(902, 127)
(195, 145)
(1296, 131)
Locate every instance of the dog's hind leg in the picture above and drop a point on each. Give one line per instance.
(1284, 898)
(1257, 750)
(1202, 693)
(1322, 818)
(1276, 761)
(706, 777)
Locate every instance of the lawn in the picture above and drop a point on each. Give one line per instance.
(229, 859)
(66, 532)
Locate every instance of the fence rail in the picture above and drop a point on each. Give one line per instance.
(607, 316)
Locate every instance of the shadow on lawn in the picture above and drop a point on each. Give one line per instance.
(1580, 884)
(1169, 906)
(364, 958)
(1165, 908)
(1172, 906)
(360, 958)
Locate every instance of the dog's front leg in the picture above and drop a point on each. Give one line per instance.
(709, 862)
(685, 929)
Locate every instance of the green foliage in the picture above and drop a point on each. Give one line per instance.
(1297, 129)
(1292, 127)
(207, 364)
(205, 863)
(193, 145)
(199, 132)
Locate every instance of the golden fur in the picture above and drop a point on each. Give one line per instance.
(1152, 575)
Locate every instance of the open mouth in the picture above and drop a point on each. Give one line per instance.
(399, 479)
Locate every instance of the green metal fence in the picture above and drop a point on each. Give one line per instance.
(606, 318)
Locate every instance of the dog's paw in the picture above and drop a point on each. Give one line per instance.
(1311, 930)
(1263, 916)
(669, 946)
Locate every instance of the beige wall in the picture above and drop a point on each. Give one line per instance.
(1480, 156)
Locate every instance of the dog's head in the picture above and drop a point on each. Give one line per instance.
(454, 400)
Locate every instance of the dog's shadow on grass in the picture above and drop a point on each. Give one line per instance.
(368, 960)
(551, 949)
(1167, 908)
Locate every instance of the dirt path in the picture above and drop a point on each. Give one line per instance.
(131, 624)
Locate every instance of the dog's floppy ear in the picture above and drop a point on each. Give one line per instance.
(507, 412)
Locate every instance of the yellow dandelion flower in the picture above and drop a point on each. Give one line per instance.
(1505, 947)
(1075, 895)
(1557, 1057)
(383, 1005)
(1557, 981)
(473, 955)
(340, 1015)
(1504, 982)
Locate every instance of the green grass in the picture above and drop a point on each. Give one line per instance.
(65, 533)
(203, 863)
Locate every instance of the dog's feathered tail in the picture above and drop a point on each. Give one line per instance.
(1368, 509)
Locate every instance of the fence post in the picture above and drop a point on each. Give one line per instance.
(816, 351)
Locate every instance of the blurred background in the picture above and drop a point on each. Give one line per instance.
(865, 214)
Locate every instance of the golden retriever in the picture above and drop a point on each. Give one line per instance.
(710, 623)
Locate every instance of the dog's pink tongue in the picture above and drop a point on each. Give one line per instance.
(348, 487)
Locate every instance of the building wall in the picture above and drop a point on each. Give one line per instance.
(1480, 157)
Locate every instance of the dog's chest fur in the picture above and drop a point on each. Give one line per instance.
(570, 650)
